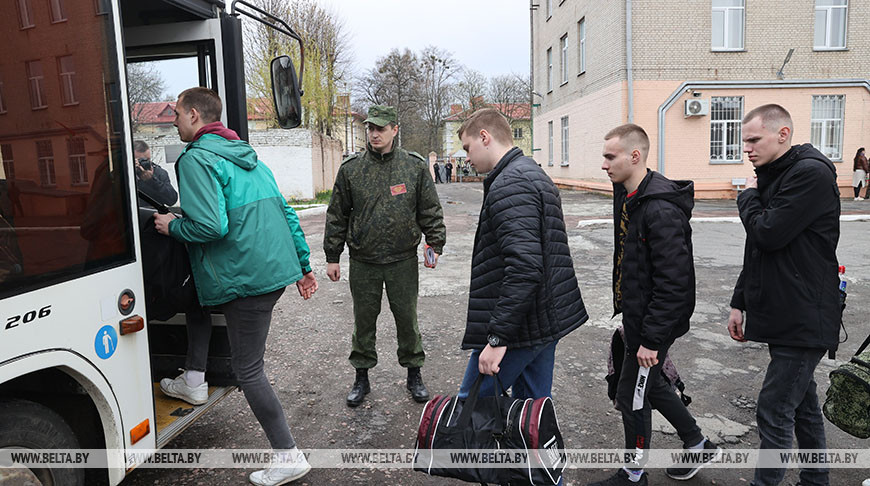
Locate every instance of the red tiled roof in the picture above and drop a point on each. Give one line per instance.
(517, 111)
(154, 112)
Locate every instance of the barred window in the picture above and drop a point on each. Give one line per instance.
(45, 159)
(78, 168)
(726, 115)
(826, 125)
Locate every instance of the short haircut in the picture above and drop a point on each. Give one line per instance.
(140, 146)
(772, 116)
(492, 121)
(205, 100)
(433, 153)
(632, 136)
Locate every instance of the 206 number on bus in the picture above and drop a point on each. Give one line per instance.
(28, 317)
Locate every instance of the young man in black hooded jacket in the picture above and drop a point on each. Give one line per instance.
(789, 285)
(654, 289)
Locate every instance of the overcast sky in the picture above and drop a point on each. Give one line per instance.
(491, 36)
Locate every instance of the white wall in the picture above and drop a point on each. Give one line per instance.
(292, 169)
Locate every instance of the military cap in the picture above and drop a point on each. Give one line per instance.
(381, 115)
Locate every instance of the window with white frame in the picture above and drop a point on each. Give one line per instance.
(45, 159)
(549, 9)
(727, 25)
(36, 82)
(726, 114)
(67, 72)
(8, 161)
(563, 49)
(25, 14)
(831, 20)
(550, 69)
(518, 133)
(57, 11)
(564, 140)
(2, 100)
(550, 144)
(78, 167)
(581, 34)
(826, 125)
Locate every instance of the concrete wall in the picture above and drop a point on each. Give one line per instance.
(303, 163)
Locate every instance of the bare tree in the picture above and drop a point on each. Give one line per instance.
(509, 93)
(326, 57)
(395, 81)
(144, 84)
(471, 89)
(437, 68)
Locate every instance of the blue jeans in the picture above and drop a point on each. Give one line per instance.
(527, 371)
(789, 407)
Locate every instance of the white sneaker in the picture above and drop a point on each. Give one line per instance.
(281, 472)
(857, 198)
(178, 388)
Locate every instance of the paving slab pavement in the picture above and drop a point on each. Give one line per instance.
(309, 343)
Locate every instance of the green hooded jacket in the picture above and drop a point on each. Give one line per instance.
(380, 205)
(242, 236)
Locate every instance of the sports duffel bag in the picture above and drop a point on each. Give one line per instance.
(520, 437)
(847, 404)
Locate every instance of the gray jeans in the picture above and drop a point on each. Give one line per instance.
(789, 407)
(248, 320)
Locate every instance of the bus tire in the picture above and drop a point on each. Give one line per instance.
(31, 425)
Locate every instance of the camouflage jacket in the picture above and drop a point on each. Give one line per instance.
(380, 205)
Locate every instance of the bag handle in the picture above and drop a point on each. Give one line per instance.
(465, 416)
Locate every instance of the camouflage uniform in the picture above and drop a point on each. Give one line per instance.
(381, 203)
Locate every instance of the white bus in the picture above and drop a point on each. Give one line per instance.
(79, 360)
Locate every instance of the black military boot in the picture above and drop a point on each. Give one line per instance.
(416, 387)
(360, 388)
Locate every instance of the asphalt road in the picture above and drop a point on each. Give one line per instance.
(307, 353)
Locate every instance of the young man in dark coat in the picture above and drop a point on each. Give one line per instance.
(654, 289)
(789, 285)
(524, 295)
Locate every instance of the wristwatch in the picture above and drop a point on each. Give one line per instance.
(495, 341)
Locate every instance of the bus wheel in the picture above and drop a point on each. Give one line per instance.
(30, 425)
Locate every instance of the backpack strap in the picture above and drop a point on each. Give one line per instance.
(863, 346)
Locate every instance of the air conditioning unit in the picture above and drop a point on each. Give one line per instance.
(696, 107)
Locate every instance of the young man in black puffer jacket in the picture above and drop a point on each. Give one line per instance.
(524, 295)
(654, 289)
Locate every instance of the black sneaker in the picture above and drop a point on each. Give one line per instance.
(621, 479)
(693, 461)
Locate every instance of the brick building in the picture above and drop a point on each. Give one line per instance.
(688, 73)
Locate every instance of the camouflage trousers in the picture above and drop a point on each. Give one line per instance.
(367, 282)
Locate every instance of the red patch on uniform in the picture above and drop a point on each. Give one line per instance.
(398, 189)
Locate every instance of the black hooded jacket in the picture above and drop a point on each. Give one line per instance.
(789, 283)
(658, 274)
(523, 286)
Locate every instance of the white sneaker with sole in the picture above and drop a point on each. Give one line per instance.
(178, 388)
(281, 472)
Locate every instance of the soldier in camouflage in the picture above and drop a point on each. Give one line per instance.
(383, 199)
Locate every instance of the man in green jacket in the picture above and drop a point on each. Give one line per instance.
(382, 200)
(245, 247)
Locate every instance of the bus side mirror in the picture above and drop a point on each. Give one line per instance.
(286, 93)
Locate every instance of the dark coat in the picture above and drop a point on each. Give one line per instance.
(523, 286)
(658, 273)
(789, 283)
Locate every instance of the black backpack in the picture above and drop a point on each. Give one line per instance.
(169, 287)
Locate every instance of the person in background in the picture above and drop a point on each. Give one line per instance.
(861, 168)
(152, 179)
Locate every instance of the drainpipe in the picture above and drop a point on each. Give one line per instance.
(777, 84)
(628, 70)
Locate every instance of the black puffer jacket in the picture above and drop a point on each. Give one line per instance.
(523, 286)
(788, 286)
(658, 274)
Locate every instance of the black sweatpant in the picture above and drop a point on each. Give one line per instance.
(636, 397)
